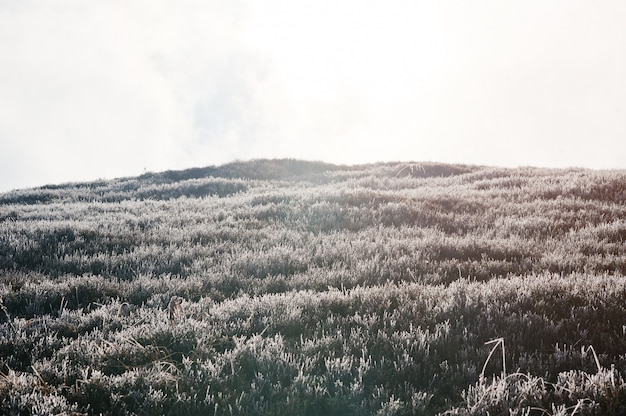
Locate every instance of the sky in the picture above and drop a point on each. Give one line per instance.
(109, 88)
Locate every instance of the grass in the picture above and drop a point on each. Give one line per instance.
(574, 392)
(283, 287)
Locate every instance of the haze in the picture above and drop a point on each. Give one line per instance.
(103, 89)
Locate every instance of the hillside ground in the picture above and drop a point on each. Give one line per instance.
(283, 287)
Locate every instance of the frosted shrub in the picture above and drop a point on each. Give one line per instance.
(30, 396)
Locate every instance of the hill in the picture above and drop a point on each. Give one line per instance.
(288, 287)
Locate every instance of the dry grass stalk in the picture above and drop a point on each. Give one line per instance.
(175, 310)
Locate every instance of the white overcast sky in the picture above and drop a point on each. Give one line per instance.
(107, 88)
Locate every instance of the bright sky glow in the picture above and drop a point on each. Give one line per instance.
(108, 88)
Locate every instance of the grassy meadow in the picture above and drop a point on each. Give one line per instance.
(284, 287)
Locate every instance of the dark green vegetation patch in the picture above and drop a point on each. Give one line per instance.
(282, 287)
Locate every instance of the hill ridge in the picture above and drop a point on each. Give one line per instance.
(221, 180)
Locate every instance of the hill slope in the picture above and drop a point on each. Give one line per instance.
(309, 288)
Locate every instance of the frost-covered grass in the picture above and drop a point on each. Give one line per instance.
(316, 289)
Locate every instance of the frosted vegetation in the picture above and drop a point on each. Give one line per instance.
(313, 289)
